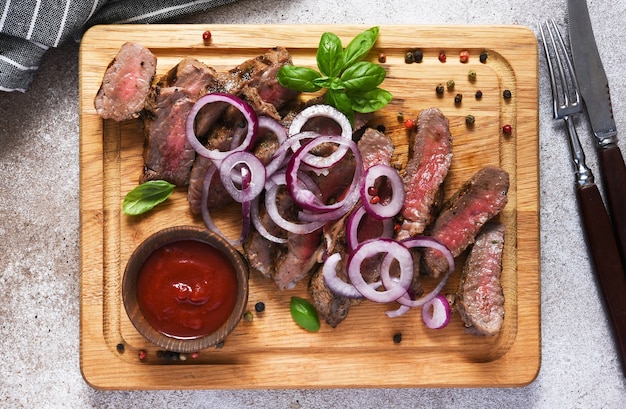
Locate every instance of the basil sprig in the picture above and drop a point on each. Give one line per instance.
(145, 196)
(352, 85)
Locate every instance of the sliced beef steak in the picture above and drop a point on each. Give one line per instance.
(480, 299)
(126, 83)
(167, 152)
(431, 155)
(481, 198)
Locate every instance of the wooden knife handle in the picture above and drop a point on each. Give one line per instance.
(613, 172)
(606, 260)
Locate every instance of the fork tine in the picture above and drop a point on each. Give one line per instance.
(562, 79)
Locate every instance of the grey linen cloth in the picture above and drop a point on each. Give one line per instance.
(28, 28)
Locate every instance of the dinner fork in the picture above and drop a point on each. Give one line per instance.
(600, 238)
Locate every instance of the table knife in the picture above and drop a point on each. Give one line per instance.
(594, 88)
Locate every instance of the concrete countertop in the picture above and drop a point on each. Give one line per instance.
(39, 233)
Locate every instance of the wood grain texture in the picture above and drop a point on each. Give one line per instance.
(271, 351)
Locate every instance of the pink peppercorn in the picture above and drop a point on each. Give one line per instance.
(464, 56)
(142, 355)
(442, 56)
(507, 128)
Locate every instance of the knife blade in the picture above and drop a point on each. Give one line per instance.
(594, 89)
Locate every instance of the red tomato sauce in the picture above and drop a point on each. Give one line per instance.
(186, 289)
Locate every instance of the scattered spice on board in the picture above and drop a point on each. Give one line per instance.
(206, 37)
(442, 57)
(450, 84)
(507, 94)
(479, 94)
(458, 98)
(483, 57)
(409, 58)
(382, 57)
(259, 307)
(120, 347)
(142, 355)
(397, 338)
(507, 129)
(469, 120)
(418, 56)
(471, 75)
(464, 56)
(439, 89)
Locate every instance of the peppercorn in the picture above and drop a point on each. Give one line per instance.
(247, 316)
(259, 307)
(458, 98)
(409, 123)
(142, 354)
(418, 55)
(464, 56)
(409, 58)
(450, 84)
(194, 355)
(469, 120)
(400, 117)
(507, 128)
(442, 57)
(372, 191)
(382, 58)
(483, 57)
(479, 94)
(206, 37)
(439, 89)
(182, 357)
(375, 200)
(120, 347)
(397, 338)
(506, 94)
(381, 128)
(471, 75)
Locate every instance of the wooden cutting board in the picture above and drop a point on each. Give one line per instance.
(271, 351)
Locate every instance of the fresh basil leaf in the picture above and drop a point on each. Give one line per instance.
(322, 82)
(304, 314)
(360, 46)
(330, 55)
(369, 101)
(363, 76)
(336, 84)
(145, 196)
(298, 78)
(340, 100)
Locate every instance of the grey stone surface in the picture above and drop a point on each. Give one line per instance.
(39, 223)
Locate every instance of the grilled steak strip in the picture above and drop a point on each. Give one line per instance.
(126, 83)
(167, 152)
(481, 198)
(431, 155)
(480, 299)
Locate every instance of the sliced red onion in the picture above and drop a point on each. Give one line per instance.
(206, 215)
(248, 113)
(436, 313)
(372, 248)
(372, 203)
(330, 112)
(271, 189)
(426, 242)
(232, 170)
(304, 198)
(334, 283)
(354, 221)
(259, 226)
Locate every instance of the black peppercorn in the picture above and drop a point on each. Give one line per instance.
(440, 89)
(409, 58)
(397, 338)
(120, 347)
(458, 98)
(381, 128)
(483, 57)
(259, 307)
(506, 94)
(479, 94)
(418, 55)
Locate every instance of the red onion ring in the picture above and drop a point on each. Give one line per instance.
(376, 208)
(436, 312)
(206, 215)
(374, 247)
(248, 113)
(258, 224)
(352, 227)
(337, 285)
(256, 175)
(329, 112)
(271, 190)
(304, 198)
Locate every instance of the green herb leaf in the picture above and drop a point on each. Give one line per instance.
(298, 78)
(363, 76)
(369, 101)
(360, 46)
(304, 314)
(340, 100)
(145, 196)
(330, 55)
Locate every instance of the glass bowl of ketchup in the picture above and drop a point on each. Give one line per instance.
(185, 288)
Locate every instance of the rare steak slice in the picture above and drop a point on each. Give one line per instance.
(481, 198)
(126, 83)
(167, 153)
(480, 299)
(431, 155)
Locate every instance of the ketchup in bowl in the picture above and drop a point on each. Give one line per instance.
(186, 289)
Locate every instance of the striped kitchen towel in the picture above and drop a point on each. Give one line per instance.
(28, 28)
